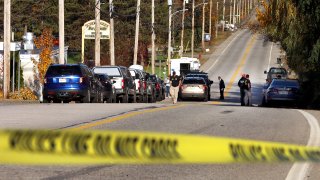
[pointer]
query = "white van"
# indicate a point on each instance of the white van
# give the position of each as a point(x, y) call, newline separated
point(184, 65)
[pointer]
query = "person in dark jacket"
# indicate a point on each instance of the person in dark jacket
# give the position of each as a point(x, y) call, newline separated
point(221, 87)
point(241, 85)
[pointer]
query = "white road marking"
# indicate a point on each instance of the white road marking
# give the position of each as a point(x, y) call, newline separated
point(217, 60)
point(270, 56)
point(299, 171)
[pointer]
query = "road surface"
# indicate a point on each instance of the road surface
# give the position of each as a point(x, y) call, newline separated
point(243, 52)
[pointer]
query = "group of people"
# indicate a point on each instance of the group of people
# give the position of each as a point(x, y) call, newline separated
point(245, 90)
point(173, 84)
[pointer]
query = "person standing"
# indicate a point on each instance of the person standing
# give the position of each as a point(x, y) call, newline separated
point(241, 83)
point(167, 87)
point(175, 83)
point(247, 90)
point(221, 87)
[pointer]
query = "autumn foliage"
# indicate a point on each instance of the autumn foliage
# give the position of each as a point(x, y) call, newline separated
point(45, 44)
point(264, 15)
point(25, 94)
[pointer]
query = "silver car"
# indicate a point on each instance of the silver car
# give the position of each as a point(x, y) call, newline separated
point(194, 87)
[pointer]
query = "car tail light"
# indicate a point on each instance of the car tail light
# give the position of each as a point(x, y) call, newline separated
point(139, 84)
point(144, 85)
point(158, 86)
point(81, 79)
point(204, 87)
point(122, 84)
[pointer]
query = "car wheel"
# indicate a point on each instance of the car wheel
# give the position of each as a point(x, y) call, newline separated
point(56, 101)
point(205, 99)
point(125, 98)
point(110, 99)
point(87, 97)
point(159, 98)
point(134, 98)
point(114, 99)
point(45, 100)
point(265, 103)
point(154, 99)
point(145, 99)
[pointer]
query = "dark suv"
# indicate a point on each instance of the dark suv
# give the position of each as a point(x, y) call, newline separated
point(123, 82)
point(71, 82)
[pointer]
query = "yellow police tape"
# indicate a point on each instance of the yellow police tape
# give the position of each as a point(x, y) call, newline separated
point(66, 147)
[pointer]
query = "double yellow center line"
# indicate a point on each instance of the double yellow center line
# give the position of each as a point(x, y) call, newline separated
point(239, 67)
point(135, 113)
point(124, 116)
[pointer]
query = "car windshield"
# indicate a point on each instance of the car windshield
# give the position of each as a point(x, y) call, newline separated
point(153, 78)
point(278, 71)
point(198, 75)
point(110, 71)
point(193, 81)
point(63, 70)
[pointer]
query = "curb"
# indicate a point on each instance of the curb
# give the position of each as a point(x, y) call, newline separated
point(16, 101)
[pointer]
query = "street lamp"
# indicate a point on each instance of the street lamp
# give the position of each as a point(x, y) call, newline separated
point(192, 37)
point(182, 28)
point(169, 31)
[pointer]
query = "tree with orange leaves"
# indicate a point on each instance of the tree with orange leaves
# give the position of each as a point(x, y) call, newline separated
point(264, 15)
point(45, 44)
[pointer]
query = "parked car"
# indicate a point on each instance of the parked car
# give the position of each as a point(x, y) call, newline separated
point(151, 88)
point(124, 84)
point(281, 90)
point(163, 89)
point(137, 75)
point(205, 77)
point(157, 83)
point(274, 72)
point(71, 82)
point(108, 92)
point(194, 87)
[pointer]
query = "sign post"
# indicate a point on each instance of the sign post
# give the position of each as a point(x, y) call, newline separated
point(88, 32)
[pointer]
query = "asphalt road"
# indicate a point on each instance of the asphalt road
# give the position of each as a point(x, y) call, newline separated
point(243, 52)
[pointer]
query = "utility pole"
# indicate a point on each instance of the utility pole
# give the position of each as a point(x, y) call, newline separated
point(210, 18)
point(223, 13)
point(238, 6)
point(234, 12)
point(230, 14)
point(61, 32)
point(203, 28)
point(6, 48)
point(97, 34)
point(241, 8)
point(249, 6)
point(182, 27)
point(153, 37)
point(136, 40)
point(245, 8)
point(192, 36)
point(217, 19)
point(169, 38)
point(112, 59)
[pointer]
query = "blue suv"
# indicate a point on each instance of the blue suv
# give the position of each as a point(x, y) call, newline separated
point(70, 82)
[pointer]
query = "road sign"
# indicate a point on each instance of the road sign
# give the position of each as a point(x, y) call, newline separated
point(88, 32)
